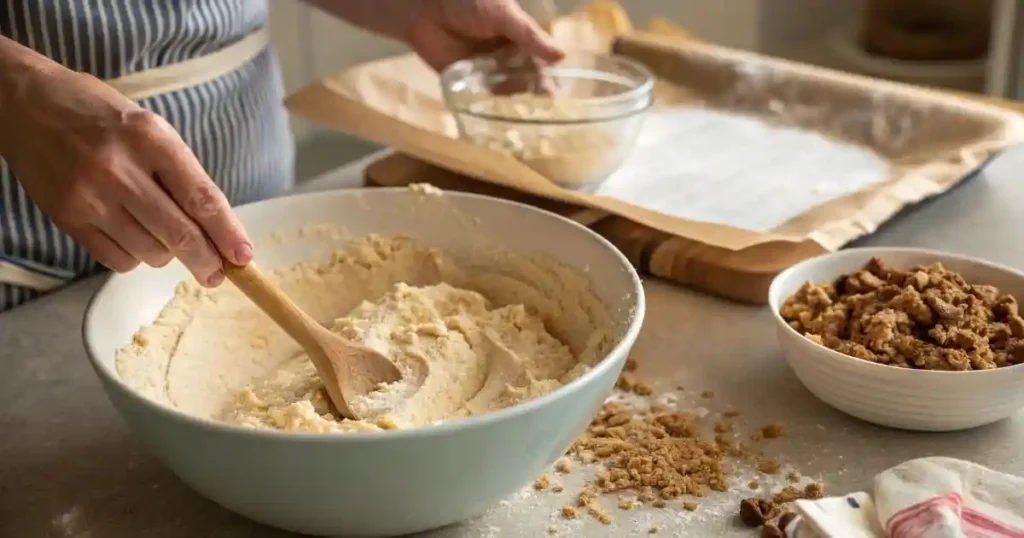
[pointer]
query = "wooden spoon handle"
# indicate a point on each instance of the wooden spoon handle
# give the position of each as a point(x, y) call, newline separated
point(269, 297)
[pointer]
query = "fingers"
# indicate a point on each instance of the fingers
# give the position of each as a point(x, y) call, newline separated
point(522, 30)
point(182, 236)
point(125, 230)
point(449, 36)
point(106, 250)
point(437, 47)
point(184, 179)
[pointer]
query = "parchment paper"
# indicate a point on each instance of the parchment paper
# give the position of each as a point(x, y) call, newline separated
point(740, 150)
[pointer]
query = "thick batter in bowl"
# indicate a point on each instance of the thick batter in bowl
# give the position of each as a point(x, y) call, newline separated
point(425, 473)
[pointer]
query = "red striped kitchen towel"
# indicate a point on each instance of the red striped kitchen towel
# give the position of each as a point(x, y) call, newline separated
point(949, 498)
point(922, 498)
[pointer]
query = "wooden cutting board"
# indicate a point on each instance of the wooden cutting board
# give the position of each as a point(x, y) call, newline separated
point(738, 275)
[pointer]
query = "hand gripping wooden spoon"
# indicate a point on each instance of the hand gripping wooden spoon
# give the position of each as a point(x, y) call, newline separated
point(347, 370)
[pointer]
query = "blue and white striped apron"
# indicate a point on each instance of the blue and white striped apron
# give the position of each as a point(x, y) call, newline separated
point(235, 123)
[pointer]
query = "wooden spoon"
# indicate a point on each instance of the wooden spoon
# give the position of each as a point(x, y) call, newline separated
point(347, 369)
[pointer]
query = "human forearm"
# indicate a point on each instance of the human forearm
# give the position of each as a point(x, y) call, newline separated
point(390, 18)
point(445, 31)
point(125, 185)
point(19, 66)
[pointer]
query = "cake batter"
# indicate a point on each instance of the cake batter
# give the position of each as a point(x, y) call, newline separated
point(468, 340)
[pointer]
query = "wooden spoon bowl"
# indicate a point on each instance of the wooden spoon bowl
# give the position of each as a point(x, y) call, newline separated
point(348, 370)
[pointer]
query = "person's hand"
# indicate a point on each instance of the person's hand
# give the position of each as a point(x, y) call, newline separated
point(445, 31)
point(114, 176)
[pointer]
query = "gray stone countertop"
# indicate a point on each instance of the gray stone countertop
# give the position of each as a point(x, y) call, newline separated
point(70, 468)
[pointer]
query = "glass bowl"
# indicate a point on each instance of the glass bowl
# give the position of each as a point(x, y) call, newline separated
point(574, 122)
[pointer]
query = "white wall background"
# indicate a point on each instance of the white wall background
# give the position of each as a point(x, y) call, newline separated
point(311, 44)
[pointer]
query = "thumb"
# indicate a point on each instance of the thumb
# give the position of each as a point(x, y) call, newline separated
point(525, 33)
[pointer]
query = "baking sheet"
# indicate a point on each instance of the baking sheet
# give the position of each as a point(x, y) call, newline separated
point(715, 166)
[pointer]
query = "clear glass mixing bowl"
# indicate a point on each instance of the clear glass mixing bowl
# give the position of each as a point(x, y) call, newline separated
point(574, 122)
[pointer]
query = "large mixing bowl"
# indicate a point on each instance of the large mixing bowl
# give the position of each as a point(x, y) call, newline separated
point(386, 483)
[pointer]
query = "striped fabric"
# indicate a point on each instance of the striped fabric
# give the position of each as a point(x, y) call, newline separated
point(235, 124)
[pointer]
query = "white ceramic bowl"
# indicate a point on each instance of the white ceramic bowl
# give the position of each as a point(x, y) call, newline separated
point(373, 484)
point(896, 397)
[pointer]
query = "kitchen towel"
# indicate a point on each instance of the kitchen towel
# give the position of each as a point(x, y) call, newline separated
point(921, 498)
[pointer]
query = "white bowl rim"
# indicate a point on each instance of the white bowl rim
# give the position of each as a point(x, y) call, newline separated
point(880, 252)
point(398, 435)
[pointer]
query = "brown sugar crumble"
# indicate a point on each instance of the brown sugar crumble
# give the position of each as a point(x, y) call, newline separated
point(628, 383)
point(643, 389)
point(772, 431)
point(542, 483)
point(776, 529)
point(770, 511)
point(926, 318)
point(769, 466)
point(651, 454)
point(599, 515)
point(757, 512)
point(662, 451)
point(814, 490)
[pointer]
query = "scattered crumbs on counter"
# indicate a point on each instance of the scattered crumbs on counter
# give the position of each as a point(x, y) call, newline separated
point(588, 470)
point(769, 466)
point(772, 431)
